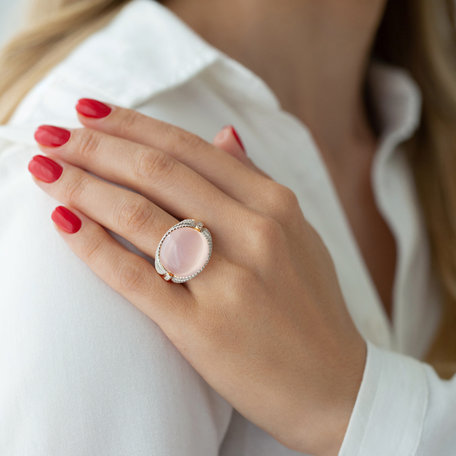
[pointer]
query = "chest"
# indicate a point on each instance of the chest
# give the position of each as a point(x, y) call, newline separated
point(367, 215)
point(370, 223)
point(370, 230)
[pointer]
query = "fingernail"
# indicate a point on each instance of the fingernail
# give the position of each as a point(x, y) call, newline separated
point(95, 109)
point(66, 220)
point(238, 139)
point(50, 136)
point(44, 168)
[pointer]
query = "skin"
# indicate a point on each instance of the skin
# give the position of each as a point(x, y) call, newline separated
point(265, 323)
point(241, 323)
point(313, 55)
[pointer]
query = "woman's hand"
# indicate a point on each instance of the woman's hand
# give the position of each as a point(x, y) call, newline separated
point(265, 323)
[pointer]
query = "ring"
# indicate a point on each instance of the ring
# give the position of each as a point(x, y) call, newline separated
point(183, 251)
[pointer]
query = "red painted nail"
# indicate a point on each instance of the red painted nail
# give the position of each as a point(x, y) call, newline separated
point(66, 220)
point(44, 168)
point(95, 109)
point(50, 136)
point(238, 139)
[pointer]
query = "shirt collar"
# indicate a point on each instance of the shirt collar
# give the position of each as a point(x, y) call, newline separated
point(148, 49)
point(396, 100)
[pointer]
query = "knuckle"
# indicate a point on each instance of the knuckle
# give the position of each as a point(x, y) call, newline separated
point(264, 234)
point(129, 275)
point(88, 143)
point(189, 139)
point(133, 214)
point(282, 201)
point(75, 188)
point(168, 131)
point(150, 165)
point(127, 122)
point(287, 196)
point(267, 229)
point(92, 249)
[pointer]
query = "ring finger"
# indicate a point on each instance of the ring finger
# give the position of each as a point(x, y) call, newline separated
point(122, 211)
point(125, 212)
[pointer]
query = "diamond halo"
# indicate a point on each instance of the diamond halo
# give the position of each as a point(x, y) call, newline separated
point(187, 223)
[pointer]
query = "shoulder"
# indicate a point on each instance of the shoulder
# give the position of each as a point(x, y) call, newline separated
point(76, 342)
point(145, 50)
point(92, 370)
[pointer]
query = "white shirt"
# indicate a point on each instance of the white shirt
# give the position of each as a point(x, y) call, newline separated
point(83, 372)
point(10, 18)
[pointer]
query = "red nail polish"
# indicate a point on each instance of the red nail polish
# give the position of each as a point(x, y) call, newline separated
point(44, 168)
point(238, 139)
point(66, 220)
point(95, 109)
point(50, 136)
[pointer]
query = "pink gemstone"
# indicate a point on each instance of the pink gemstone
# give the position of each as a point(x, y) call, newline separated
point(184, 252)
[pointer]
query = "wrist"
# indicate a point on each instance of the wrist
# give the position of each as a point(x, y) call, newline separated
point(339, 415)
point(322, 431)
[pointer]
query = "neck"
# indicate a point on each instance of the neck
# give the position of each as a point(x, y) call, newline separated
point(312, 54)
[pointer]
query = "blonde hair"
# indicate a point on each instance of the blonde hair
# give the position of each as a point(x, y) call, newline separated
point(415, 34)
point(420, 36)
point(52, 29)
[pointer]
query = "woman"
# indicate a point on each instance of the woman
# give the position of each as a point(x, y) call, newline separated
point(309, 328)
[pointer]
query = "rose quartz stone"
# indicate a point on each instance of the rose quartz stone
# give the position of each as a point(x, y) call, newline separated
point(184, 252)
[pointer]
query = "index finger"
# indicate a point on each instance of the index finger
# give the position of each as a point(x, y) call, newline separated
point(234, 178)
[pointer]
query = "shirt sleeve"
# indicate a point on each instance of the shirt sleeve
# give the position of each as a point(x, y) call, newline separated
point(83, 372)
point(403, 408)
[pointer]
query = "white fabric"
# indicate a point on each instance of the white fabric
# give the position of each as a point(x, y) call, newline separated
point(85, 373)
point(10, 17)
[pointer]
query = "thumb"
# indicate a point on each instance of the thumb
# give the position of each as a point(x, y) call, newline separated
point(228, 140)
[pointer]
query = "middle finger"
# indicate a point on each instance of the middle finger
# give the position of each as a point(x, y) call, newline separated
point(243, 183)
point(170, 184)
